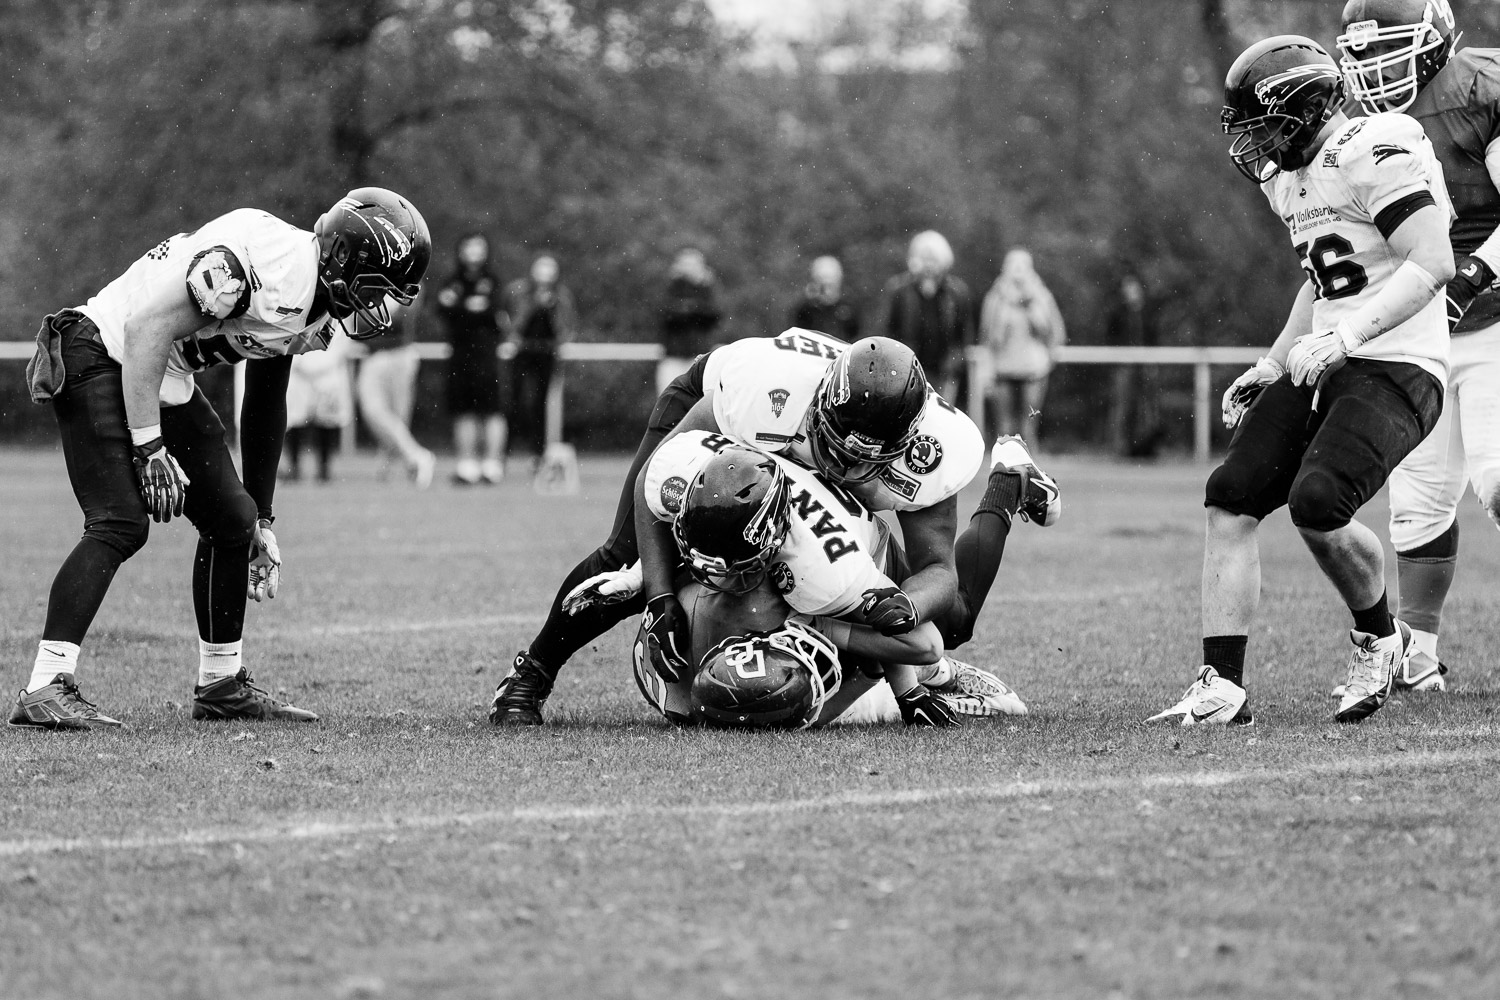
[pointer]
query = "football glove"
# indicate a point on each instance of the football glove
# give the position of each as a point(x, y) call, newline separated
point(1471, 277)
point(1239, 396)
point(922, 706)
point(265, 562)
point(163, 483)
point(665, 632)
point(1315, 355)
point(604, 588)
point(889, 611)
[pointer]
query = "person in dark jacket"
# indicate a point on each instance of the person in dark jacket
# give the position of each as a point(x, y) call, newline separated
point(929, 310)
point(542, 318)
point(689, 315)
point(823, 306)
point(469, 303)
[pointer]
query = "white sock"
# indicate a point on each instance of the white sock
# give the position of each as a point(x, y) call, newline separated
point(218, 660)
point(1426, 642)
point(936, 675)
point(52, 658)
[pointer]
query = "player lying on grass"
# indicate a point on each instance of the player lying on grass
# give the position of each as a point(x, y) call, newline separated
point(871, 425)
point(1398, 56)
point(1353, 383)
point(142, 443)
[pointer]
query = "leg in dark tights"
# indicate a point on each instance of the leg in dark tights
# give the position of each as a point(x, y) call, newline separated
point(977, 555)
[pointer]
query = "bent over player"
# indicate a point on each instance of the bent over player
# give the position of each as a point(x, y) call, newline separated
point(1396, 57)
point(1353, 383)
point(142, 443)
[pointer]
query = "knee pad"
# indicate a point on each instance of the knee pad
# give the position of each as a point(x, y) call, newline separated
point(232, 523)
point(1230, 489)
point(125, 533)
point(1317, 502)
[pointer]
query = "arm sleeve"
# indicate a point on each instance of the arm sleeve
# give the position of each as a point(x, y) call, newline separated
point(263, 427)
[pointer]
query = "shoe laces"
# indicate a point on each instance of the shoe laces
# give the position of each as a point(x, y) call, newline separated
point(525, 685)
point(1365, 667)
point(72, 696)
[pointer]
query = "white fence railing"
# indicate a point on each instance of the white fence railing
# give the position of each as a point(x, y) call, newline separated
point(1200, 358)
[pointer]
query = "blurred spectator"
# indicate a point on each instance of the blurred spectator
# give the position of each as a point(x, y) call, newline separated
point(542, 317)
point(319, 405)
point(470, 306)
point(1135, 409)
point(929, 310)
point(689, 314)
point(1021, 329)
point(387, 378)
point(823, 306)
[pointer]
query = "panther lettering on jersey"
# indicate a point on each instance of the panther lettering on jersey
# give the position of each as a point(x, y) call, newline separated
point(822, 523)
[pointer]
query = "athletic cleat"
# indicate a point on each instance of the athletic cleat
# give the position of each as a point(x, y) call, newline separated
point(1041, 501)
point(973, 691)
point(238, 697)
point(521, 693)
point(1422, 674)
point(423, 468)
point(1210, 701)
point(58, 705)
point(1373, 668)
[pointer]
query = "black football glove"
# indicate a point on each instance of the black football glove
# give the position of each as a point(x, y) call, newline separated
point(163, 483)
point(1471, 277)
point(889, 611)
point(921, 706)
point(665, 631)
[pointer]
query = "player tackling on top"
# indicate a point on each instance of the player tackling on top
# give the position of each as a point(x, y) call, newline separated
point(142, 443)
point(1354, 381)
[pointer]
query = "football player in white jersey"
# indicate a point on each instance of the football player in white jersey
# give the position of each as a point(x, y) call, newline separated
point(142, 443)
point(1354, 381)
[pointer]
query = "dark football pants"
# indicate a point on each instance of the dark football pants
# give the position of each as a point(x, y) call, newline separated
point(976, 556)
point(1324, 464)
point(562, 634)
point(90, 413)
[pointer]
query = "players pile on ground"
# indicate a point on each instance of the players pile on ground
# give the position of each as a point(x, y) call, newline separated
point(746, 535)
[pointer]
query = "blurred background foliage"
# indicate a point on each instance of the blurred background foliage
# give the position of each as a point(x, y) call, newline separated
point(613, 132)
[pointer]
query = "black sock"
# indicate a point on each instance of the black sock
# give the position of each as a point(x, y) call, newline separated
point(1002, 495)
point(1376, 619)
point(1226, 654)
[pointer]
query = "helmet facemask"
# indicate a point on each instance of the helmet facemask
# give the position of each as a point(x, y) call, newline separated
point(1386, 66)
point(375, 248)
point(1278, 136)
point(845, 455)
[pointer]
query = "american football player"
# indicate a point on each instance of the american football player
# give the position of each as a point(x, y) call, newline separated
point(142, 443)
point(1399, 55)
point(1354, 381)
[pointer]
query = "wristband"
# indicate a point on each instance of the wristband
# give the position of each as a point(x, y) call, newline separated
point(141, 435)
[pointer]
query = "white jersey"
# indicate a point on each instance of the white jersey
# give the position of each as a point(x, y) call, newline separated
point(1367, 177)
point(280, 264)
point(834, 547)
point(763, 389)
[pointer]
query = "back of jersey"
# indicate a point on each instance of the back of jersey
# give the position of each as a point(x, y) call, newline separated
point(763, 386)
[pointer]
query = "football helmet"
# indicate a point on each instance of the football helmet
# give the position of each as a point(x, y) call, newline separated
point(735, 515)
point(1390, 49)
point(866, 410)
point(1278, 95)
point(373, 244)
point(767, 680)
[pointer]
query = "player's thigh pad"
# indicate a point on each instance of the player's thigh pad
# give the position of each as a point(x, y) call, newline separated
point(1371, 415)
point(1256, 475)
point(217, 503)
point(1475, 400)
point(1427, 485)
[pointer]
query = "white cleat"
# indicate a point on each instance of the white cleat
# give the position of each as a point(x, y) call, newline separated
point(1422, 673)
point(1041, 501)
point(423, 468)
point(1373, 668)
point(1210, 701)
point(973, 691)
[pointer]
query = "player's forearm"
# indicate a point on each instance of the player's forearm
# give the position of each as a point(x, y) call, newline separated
point(657, 547)
point(1427, 265)
point(142, 370)
point(920, 646)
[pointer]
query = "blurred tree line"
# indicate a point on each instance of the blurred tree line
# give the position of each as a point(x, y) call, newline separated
point(612, 132)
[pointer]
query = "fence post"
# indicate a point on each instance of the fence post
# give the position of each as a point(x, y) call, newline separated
point(1201, 410)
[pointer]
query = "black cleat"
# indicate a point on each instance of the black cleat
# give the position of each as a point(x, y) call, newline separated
point(59, 705)
point(238, 697)
point(521, 694)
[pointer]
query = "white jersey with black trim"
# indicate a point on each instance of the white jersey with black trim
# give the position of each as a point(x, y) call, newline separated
point(1367, 173)
point(834, 547)
point(280, 263)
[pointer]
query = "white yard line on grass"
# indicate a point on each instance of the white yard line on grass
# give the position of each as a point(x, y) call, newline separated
point(340, 829)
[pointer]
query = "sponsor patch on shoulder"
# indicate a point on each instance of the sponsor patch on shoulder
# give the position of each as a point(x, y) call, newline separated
point(902, 486)
point(778, 400)
point(770, 438)
point(782, 578)
point(671, 494)
point(924, 454)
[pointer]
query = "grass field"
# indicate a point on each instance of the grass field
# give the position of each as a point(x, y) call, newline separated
point(401, 847)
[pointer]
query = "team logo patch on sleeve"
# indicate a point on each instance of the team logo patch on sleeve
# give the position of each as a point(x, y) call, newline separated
point(924, 454)
point(671, 494)
point(1384, 151)
point(778, 400)
point(782, 578)
point(902, 486)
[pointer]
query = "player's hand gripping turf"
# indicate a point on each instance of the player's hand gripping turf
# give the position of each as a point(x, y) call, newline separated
point(922, 706)
point(163, 483)
point(668, 644)
point(889, 611)
point(1315, 355)
point(1470, 277)
point(265, 563)
point(604, 588)
point(1239, 396)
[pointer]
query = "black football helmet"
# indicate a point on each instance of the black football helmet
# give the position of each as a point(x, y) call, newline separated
point(735, 515)
point(867, 409)
point(374, 244)
point(1391, 48)
point(1278, 96)
point(767, 680)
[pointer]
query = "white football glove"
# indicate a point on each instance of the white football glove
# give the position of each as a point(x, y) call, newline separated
point(1315, 355)
point(1239, 396)
point(604, 588)
point(265, 563)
